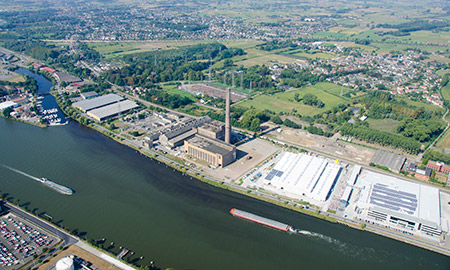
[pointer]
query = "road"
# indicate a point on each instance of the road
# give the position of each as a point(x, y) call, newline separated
point(65, 237)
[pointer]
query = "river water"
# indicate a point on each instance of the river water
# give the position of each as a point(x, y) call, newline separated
point(174, 220)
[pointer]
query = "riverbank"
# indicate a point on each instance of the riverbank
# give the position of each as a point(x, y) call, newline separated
point(25, 121)
point(67, 238)
point(173, 163)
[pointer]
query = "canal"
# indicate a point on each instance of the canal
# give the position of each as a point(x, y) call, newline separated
point(172, 219)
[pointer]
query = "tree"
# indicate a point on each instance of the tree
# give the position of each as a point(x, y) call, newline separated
point(276, 119)
point(254, 126)
point(7, 112)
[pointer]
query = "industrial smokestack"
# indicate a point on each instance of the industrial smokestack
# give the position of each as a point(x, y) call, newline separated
point(227, 116)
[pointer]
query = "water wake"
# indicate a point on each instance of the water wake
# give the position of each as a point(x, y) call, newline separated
point(20, 172)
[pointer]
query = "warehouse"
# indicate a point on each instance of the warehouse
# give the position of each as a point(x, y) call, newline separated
point(304, 175)
point(112, 110)
point(94, 103)
point(400, 205)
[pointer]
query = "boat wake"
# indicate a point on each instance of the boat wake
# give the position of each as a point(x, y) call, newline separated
point(59, 188)
point(20, 172)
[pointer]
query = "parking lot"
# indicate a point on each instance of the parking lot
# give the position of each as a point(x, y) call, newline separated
point(20, 241)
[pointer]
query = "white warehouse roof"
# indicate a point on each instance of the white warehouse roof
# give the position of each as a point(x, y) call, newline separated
point(90, 104)
point(112, 110)
point(412, 201)
point(304, 175)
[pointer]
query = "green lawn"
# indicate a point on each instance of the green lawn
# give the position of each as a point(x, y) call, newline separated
point(284, 102)
point(387, 125)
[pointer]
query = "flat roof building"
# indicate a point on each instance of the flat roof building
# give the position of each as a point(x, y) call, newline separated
point(304, 175)
point(216, 153)
point(112, 110)
point(213, 129)
point(393, 161)
point(401, 205)
point(90, 104)
point(88, 95)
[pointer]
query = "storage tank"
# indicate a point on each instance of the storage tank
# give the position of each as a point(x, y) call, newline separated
point(65, 263)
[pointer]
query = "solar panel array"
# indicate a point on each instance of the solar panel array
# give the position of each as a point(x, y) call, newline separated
point(273, 173)
point(396, 200)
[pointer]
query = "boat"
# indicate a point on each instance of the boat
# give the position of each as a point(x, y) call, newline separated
point(262, 220)
point(60, 188)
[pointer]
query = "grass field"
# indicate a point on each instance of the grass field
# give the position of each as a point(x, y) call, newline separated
point(418, 104)
point(284, 102)
point(16, 79)
point(446, 92)
point(172, 89)
point(387, 125)
point(260, 57)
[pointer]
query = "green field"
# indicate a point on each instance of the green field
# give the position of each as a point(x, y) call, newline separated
point(172, 89)
point(446, 92)
point(419, 104)
point(260, 57)
point(284, 102)
point(387, 125)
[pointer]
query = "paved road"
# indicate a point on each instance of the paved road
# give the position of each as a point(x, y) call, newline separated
point(67, 238)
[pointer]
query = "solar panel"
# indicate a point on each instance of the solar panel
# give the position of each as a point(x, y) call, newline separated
point(393, 199)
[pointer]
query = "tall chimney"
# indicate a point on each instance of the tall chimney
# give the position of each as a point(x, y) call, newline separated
point(227, 116)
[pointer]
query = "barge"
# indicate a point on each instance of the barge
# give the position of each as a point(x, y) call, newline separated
point(60, 188)
point(262, 220)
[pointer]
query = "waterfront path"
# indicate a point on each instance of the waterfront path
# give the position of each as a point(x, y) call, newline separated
point(103, 256)
point(65, 237)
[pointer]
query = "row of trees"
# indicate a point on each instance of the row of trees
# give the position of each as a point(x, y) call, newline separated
point(381, 137)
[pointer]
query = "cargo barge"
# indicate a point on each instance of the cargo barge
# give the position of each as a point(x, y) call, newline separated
point(262, 220)
point(60, 188)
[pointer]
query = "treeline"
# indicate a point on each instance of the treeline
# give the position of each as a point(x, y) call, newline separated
point(300, 78)
point(184, 63)
point(277, 44)
point(418, 25)
point(381, 137)
point(172, 101)
point(435, 155)
point(419, 129)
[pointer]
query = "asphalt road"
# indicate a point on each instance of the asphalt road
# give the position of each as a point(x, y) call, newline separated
point(65, 237)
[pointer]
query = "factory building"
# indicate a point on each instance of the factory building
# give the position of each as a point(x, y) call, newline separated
point(215, 152)
point(94, 103)
point(112, 110)
point(175, 136)
point(304, 175)
point(213, 129)
point(400, 205)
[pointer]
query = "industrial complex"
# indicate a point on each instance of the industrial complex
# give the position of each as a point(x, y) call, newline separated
point(303, 175)
point(398, 204)
point(104, 107)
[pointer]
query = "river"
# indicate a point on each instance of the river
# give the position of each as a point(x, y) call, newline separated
point(172, 219)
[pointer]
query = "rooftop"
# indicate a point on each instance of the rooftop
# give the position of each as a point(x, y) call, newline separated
point(211, 145)
point(90, 104)
point(113, 109)
point(402, 198)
